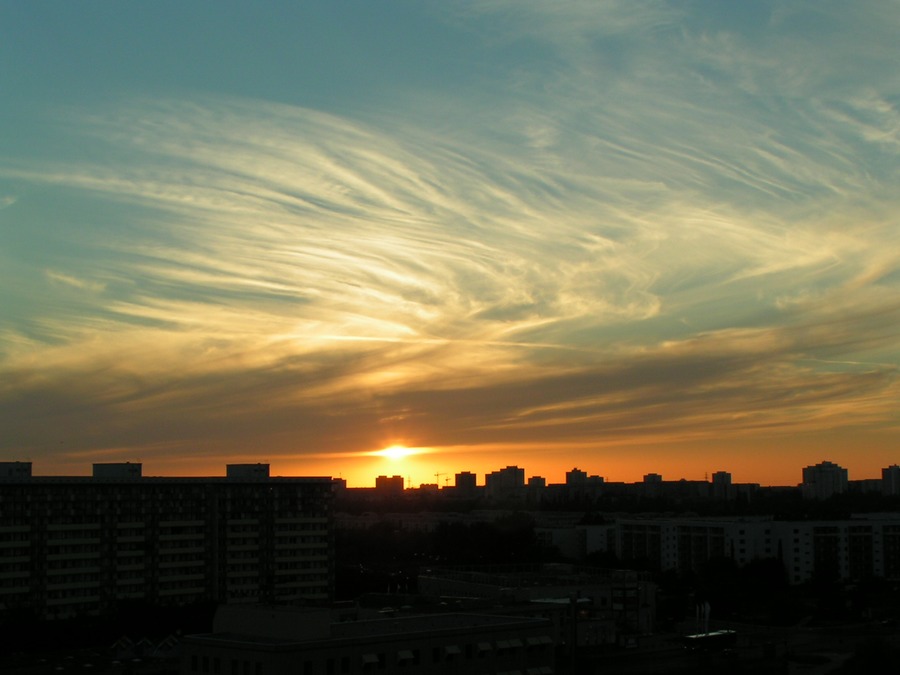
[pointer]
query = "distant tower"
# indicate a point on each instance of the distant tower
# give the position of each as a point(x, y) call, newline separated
point(508, 482)
point(576, 477)
point(721, 485)
point(890, 480)
point(389, 485)
point(466, 485)
point(823, 480)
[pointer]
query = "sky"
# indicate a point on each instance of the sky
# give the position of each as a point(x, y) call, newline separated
point(626, 236)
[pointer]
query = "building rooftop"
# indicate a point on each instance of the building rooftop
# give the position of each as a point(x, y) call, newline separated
point(276, 626)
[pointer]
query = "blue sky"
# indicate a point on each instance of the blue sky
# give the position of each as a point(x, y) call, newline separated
point(629, 236)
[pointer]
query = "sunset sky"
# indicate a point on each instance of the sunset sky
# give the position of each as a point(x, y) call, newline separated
point(625, 236)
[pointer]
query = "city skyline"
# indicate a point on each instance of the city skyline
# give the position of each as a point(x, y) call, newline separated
point(627, 236)
point(18, 469)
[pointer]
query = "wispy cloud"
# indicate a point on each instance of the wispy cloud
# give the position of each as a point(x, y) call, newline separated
point(73, 282)
point(662, 227)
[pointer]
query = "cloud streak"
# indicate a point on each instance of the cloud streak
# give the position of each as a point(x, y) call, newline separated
point(662, 228)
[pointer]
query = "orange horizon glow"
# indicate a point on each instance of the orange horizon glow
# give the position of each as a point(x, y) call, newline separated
point(202, 267)
point(770, 463)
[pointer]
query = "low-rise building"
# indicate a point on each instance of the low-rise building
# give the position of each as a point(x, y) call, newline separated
point(288, 641)
point(609, 604)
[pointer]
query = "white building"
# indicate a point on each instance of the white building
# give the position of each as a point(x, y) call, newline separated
point(863, 547)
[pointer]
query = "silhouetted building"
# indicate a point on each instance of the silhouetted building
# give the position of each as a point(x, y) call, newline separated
point(389, 486)
point(823, 480)
point(576, 477)
point(118, 470)
point(247, 471)
point(15, 470)
point(466, 481)
point(865, 486)
point(77, 546)
point(505, 483)
point(465, 486)
point(890, 480)
point(721, 485)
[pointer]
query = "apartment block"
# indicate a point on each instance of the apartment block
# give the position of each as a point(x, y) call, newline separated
point(80, 546)
point(860, 548)
point(823, 480)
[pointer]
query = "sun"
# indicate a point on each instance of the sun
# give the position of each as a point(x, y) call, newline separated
point(396, 452)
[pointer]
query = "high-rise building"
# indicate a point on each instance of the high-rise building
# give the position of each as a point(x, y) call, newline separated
point(79, 546)
point(890, 480)
point(823, 480)
point(721, 485)
point(576, 477)
point(389, 486)
point(465, 480)
point(505, 483)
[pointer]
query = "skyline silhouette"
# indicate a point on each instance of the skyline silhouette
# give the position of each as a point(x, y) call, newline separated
point(837, 477)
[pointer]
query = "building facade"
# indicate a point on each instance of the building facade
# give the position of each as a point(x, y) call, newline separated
point(81, 546)
point(856, 549)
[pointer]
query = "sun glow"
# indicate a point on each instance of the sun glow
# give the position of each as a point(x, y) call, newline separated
point(397, 452)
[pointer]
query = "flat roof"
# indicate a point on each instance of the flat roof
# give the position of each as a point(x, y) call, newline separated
point(161, 480)
point(404, 627)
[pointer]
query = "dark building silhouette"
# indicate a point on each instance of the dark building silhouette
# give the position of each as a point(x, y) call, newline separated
point(721, 485)
point(890, 480)
point(505, 483)
point(389, 486)
point(466, 485)
point(78, 546)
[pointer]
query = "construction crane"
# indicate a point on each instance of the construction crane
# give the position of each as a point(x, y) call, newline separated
point(437, 478)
